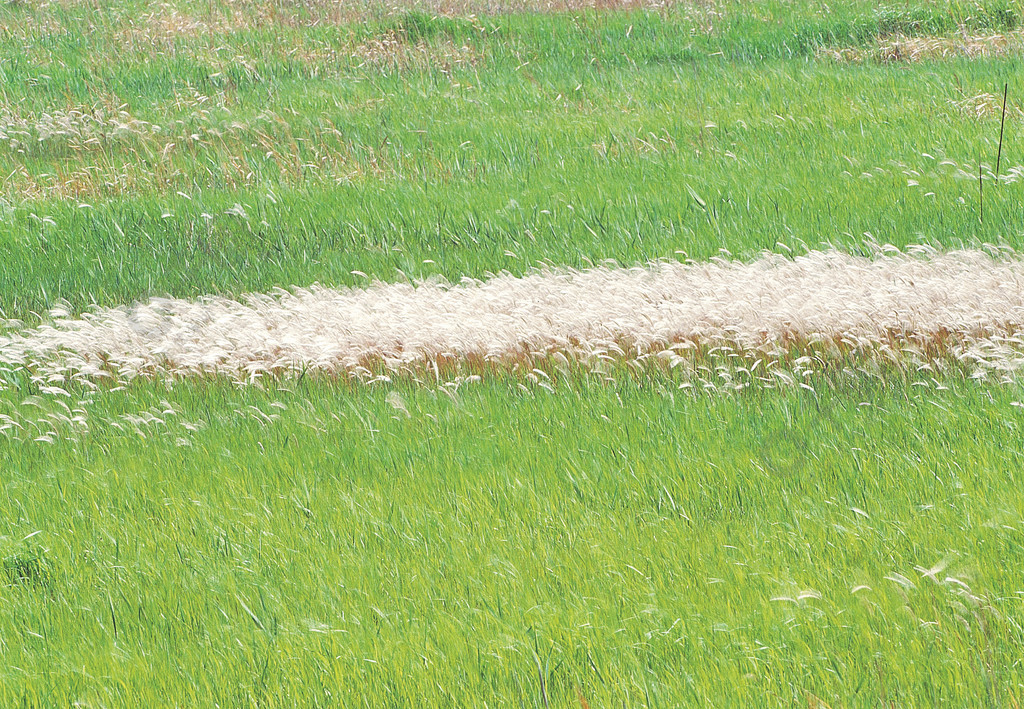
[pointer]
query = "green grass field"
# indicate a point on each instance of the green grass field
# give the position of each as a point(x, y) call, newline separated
point(592, 541)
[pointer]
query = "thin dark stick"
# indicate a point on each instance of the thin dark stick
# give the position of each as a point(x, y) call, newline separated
point(1002, 124)
point(981, 193)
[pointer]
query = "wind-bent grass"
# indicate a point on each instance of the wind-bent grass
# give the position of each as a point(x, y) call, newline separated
point(617, 543)
point(190, 163)
point(550, 537)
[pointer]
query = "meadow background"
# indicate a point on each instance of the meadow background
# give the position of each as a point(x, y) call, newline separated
point(577, 540)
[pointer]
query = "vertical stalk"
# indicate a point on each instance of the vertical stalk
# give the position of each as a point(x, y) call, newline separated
point(1002, 124)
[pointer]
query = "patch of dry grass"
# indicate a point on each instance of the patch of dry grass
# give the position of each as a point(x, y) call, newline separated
point(78, 129)
point(164, 27)
point(901, 48)
point(80, 183)
point(324, 12)
point(788, 317)
point(986, 104)
point(103, 150)
point(393, 51)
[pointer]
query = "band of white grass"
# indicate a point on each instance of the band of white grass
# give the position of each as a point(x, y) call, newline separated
point(920, 309)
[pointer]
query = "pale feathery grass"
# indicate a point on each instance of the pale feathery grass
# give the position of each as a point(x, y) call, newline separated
point(925, 311)
point(984, 105)
point(78, 129)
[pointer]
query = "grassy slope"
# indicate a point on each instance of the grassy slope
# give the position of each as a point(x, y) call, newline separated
point(605, 542)
point(637, 547)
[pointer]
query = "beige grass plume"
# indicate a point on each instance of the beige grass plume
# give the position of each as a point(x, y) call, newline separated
point(965, 306)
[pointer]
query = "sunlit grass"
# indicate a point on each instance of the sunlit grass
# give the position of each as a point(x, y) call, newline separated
point(553, 537)
point(618, 543)
point(472, 144)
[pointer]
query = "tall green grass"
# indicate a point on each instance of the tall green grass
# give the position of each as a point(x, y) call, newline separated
point(570, 138)
point(598, 545)
point(612, 543)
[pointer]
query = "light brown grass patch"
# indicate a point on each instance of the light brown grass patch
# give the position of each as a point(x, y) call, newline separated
point(393, 50)
point(705, 13)
point(986, 104)
point(104, 151)
point(168, 23)
point(901, 48)
point(165, 29)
